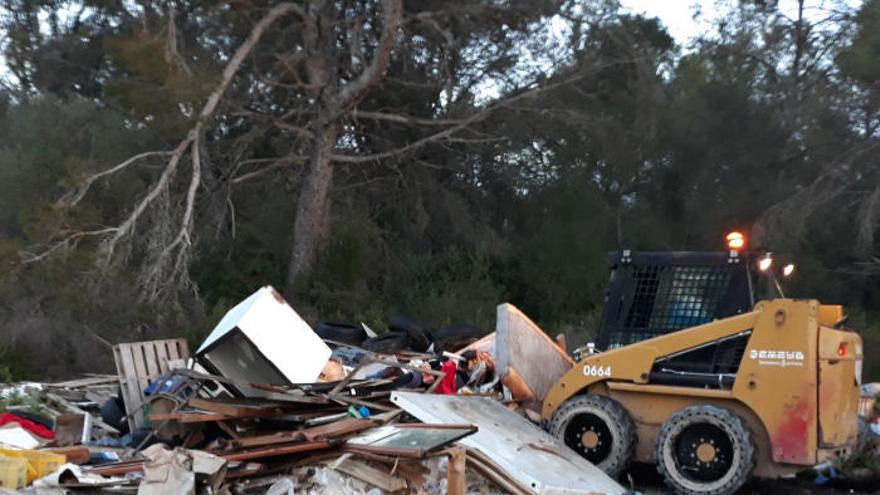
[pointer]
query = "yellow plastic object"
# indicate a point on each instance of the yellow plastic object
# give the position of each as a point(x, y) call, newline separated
point(39, 463)
point(13, 472)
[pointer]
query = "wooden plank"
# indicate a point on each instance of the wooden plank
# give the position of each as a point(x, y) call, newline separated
point(368, 474)
point(238, 409)
point(331, 430)
point(188, 417)
point(132, 395)
point(162, 357)
point(125, 467)
point(229, 430)
point(151, 360)
point(127, 382)
point(142, 380)
point(117, 359)
point(344, 399)
point(456, 478)
point(337, 428)
point(497, 476)
point(276, 451)
point(182, 348)
point(75, 454)
point(140, 366)
point(84, 382)
point(118, 468)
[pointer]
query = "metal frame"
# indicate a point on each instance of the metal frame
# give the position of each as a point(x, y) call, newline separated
point(640, 301)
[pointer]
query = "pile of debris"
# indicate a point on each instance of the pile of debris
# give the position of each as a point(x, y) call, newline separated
point(266, 404)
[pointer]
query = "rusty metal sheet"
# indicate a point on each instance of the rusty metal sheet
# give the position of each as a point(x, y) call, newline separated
point(527, 453)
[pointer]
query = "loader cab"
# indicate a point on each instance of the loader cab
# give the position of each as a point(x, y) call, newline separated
point(654, 293)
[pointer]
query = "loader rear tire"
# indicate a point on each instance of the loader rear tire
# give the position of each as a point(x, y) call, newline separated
point(599, 429)
point(706, 450)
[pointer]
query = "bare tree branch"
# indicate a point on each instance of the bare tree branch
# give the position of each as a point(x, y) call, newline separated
point(191, 143)
point(74, 197)
point(392, 12)
point(243, 51)
point(184, 234)
point(172, 56)
point(282, 162)
point(788, 218)
point(402, 119)
point(474, 118)
point(27, 257)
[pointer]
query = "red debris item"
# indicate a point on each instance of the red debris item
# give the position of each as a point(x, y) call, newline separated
point(447, 386)
point(31, 426)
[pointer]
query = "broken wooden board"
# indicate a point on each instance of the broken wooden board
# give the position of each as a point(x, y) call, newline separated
point(456, 477)
point(76, 454)
point(330, 430)
point(528, 454)
point(522, 346)
point(368, 474)
point(138, 364)
point(84, 382)
point(241, 408)
point(477, 461)
point(71, 429)
point(188, 417)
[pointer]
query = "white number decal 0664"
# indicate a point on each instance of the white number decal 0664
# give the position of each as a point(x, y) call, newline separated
point(597, 370)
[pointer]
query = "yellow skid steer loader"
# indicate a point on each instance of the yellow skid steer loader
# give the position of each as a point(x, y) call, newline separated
point(695, 376)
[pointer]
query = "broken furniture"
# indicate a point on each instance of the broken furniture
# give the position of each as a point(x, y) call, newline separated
point(526, 355)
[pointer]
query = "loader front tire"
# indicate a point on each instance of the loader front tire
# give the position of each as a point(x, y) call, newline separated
point(705, 450)
point(599, 429)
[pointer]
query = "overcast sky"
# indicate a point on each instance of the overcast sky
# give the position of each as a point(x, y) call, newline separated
point(678, 15)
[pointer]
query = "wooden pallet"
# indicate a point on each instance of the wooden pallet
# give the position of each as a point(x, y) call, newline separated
point(138, 364)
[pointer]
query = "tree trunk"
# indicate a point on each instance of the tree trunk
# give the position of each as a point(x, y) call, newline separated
point(313, 204)
point(312, 209)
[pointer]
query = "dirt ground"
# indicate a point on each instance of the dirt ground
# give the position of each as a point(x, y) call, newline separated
point(646, 480)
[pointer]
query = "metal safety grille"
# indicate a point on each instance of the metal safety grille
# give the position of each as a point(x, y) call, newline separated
point(688, 296)
point(664, 298)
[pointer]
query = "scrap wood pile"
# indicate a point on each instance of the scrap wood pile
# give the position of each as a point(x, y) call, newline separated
point(268, 405)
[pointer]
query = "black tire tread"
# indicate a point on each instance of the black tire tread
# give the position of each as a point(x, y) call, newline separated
point(390, 342)
point(419, 339)
point(623, 430)
point(456, 336)
point(742, 441)
point(347, 333)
